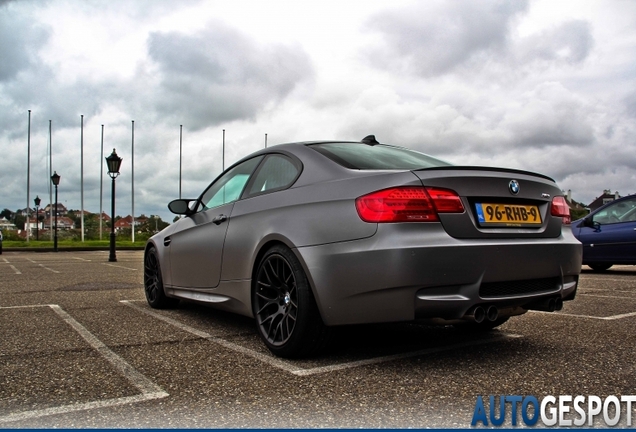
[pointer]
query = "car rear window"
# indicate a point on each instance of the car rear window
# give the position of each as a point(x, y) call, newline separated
point(376, 157)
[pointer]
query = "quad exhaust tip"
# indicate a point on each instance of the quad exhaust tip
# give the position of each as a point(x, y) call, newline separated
point(548, 305)
point(481, 314)
point(492, 313)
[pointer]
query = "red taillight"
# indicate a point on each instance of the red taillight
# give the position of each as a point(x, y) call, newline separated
point(408, 204)
point(560, 208)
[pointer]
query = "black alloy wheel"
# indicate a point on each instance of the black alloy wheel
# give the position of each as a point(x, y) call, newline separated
point(287, 318)
point(153, 283)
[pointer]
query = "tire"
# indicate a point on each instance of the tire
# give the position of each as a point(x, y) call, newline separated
point(599, 267)
point(287, 317)
point(153, 283)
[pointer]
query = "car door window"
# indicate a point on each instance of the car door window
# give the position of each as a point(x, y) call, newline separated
point(277, 172)
point(623, 211)
point(228, 187)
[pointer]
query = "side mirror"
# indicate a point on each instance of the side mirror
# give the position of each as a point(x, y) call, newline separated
point(590, 223)
point(181, 206)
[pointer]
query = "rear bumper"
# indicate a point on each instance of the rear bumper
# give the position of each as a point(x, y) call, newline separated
point(413, 271)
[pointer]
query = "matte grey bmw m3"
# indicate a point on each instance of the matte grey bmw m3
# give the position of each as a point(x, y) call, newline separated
point(311, 235)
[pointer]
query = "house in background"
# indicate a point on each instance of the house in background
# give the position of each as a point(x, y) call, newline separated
point(127, 222)
point(5, 224)
point(33, 224)
point(63, 223)
point(61, 209)
point(607, 197)
point(574, 205)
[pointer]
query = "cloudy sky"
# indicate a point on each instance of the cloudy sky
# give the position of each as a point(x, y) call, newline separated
point(547, 86)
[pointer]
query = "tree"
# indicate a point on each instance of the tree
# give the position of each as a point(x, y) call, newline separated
point(7, 214)
point(19, 221)
point(153, 225)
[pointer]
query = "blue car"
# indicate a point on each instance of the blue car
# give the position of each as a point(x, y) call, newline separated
point(608, 234)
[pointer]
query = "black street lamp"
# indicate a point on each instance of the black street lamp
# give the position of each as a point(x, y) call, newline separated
point(114, 162)
point(37, 202)
point(55, 178)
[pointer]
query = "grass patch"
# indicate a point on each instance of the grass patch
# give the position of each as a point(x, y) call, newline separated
point(70, 243)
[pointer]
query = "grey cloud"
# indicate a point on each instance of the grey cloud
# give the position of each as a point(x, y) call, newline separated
point(571, 42)
point(20, 40)
point(630, 104)
point(433, 40)
point(39, 90)
point(219, 75)
point(550, 115)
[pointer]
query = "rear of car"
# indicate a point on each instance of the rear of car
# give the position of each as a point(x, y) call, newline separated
point(451, 243)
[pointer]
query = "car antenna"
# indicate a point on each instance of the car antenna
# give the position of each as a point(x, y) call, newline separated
point(370, 140)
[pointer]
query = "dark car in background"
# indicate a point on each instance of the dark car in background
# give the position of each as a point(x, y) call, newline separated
point(608, 234)
point(306, 236)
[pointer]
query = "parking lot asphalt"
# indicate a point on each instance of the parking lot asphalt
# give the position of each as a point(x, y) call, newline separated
point(79, 347)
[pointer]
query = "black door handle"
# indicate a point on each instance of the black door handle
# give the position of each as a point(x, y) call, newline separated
point(219, 219)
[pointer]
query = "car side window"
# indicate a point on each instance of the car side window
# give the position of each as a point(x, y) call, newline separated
point(623, 211)
point(277, 172)
point(230, 185)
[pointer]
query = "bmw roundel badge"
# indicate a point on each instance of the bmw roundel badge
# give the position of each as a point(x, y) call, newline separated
point(513, 186)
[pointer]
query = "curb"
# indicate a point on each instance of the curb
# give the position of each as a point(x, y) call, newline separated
point(69, 249)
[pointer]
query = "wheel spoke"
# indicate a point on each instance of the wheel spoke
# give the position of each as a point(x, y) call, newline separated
point(273, 270)
point(268, 304)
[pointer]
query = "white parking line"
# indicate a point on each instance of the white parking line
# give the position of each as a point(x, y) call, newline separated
point(607, 296)
point(611, 290)
point(5, 260)
point(264, 358)
point(81, 259)
point(148, 389)
point(47, 268)
point(608, 318)
point(118, 266)
point(607, 279)
point(298, 371)
point(15, 269)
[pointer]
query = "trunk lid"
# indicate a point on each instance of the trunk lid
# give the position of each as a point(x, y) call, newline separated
point(499, 203)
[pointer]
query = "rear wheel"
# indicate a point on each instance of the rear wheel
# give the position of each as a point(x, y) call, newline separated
point(153, 283)
point(287, 318)
point(599, 267)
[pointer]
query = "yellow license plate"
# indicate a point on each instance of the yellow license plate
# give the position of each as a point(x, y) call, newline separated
point(507, 214)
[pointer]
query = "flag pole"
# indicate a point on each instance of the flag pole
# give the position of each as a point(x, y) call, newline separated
point(28, 222)
point(132, 161)
point(180, 155)
point(49, 181)
point(101, 185)
point(82, 176)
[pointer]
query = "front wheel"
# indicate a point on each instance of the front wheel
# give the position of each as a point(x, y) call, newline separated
point(153, 283)
point(287, 317)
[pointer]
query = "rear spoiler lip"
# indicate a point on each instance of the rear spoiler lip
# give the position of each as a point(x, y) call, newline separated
point(484, 168)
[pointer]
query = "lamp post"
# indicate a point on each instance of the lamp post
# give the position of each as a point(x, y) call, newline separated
point(37, 202)
point(55, 178)
point(113, 162)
